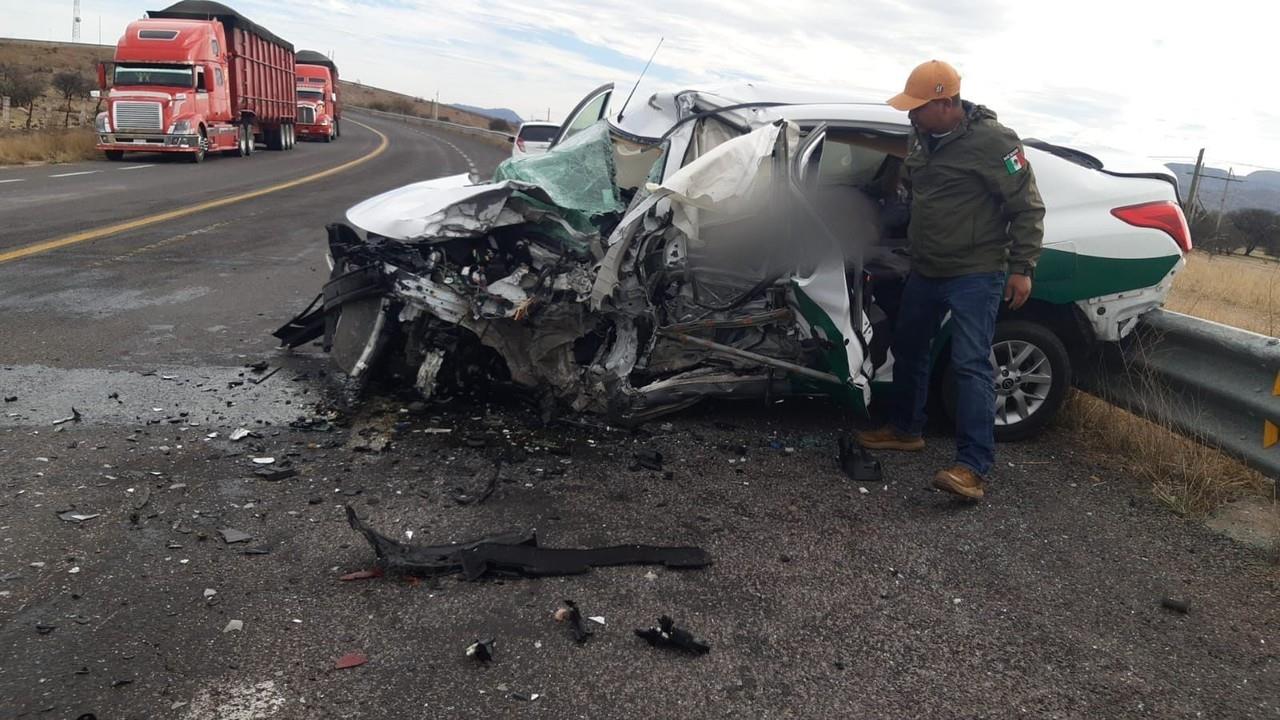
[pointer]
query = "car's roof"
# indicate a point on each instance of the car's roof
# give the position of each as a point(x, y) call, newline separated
point(654, 117)
point(539, 123)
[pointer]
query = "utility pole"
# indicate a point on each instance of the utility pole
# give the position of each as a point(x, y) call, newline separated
point(1222, 207)
point(435, 107)
point(75, 22)
point(1191, 207)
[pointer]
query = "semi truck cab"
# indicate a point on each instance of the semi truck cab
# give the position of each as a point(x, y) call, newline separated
point(316, 103)
point(168, 90)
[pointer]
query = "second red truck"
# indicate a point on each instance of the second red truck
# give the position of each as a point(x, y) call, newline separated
point(319, 105)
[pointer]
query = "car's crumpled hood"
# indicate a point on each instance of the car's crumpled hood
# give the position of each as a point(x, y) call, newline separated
point(402, 213)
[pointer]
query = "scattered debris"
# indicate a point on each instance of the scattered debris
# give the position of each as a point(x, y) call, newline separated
point(209, 592)
point(258, 551)
point(231, 536)
point(11, 398)
point(572, 615)
point(651, 576)
point(121, 682)
point(857, 463)
point(276, 474)
point(233, 626)
point(362, 575)
point(350, 660)
point(74, 571)
point(666, 634)
point(597, 619)
point(77, 517)
point(259, 367)
point(517, 695)
point(1176, 605)
point(239, 434)
point(464, 498)
point(44, 629)
point(647, 459)
point(266, 377)
point(517, 554)
point(264, 461)
point(481, 650)
point(73, 417)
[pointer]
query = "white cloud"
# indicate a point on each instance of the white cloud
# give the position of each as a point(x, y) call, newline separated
point(1155, 78)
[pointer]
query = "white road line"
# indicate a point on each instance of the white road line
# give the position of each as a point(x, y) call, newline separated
point(13, 180)
point(136, 167)
point(82, 172)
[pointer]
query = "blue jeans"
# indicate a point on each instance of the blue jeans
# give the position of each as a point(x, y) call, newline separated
point(974, 301)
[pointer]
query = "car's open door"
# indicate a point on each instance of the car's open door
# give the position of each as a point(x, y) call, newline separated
point(585, 114)
point(828, 295)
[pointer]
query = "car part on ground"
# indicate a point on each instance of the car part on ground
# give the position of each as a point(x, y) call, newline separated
point(516, 554)
point(667, 635)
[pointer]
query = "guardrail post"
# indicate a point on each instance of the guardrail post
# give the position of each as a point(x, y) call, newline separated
point(4, 112)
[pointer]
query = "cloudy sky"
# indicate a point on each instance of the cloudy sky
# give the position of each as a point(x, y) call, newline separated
point(1160, 79)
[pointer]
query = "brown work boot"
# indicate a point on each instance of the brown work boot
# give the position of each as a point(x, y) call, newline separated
point(888, 438)
point(959, 480)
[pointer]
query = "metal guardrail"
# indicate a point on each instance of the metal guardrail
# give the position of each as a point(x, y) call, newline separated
point(441, 124)
point(1212, 382)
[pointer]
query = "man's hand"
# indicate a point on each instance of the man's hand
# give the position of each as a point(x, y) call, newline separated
point(1017, 290)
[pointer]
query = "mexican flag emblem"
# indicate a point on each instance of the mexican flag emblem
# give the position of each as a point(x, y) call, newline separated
point(1015, 161)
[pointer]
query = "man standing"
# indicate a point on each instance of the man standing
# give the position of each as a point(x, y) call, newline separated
point(977, 221)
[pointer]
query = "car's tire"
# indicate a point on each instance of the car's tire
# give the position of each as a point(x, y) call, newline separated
point(1031, 393)
point(114, 155)
point(288, 137)
point(239, 150)
point(249, 145)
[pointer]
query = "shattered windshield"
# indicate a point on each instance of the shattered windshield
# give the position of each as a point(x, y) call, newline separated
point(577, 174)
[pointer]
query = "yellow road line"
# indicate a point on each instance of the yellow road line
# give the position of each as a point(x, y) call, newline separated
point(97, 233)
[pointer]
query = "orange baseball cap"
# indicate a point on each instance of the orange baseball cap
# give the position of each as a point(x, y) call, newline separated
point(933, 80)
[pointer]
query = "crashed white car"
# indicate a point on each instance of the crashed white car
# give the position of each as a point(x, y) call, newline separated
point(744, 242)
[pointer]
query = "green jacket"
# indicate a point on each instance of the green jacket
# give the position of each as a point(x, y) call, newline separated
point(974, 202)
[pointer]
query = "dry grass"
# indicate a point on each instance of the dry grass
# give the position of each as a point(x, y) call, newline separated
point(1192, 478)
point(54, 146)
point(1238, 291)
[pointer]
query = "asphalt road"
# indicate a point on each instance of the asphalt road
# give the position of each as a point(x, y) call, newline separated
point(824, 600)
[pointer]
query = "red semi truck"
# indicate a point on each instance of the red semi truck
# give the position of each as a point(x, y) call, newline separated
point(194, 78)
point(319, 106)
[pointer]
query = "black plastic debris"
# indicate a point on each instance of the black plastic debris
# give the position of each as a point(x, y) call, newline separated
point(857, 463)
point(475, 497)
point(11, 398)
point(401, 557)
point(258, 367)
point(1176, 605)
point(44, 629)
point(647, 459)
point(572, 615)
point(667, 635)
point(276, 474)
point(516, 554)
point(481, 650)
point(73, 417)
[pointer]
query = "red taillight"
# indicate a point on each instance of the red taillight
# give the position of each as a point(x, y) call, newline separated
point(1164, 215)
point(520, 144)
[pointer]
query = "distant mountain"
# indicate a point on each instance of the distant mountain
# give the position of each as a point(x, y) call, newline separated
point(500, 113)
point(1260, 189)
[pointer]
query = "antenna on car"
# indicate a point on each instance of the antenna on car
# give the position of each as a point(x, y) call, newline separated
point(642, 72)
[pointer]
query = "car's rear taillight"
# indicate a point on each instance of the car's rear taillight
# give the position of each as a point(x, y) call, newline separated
point(1164, 215)
point(520, 144)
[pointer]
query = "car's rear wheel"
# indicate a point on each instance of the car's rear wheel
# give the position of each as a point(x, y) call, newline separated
point(1032, 375)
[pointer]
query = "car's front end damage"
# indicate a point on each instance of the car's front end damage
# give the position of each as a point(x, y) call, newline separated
point(576, 276)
